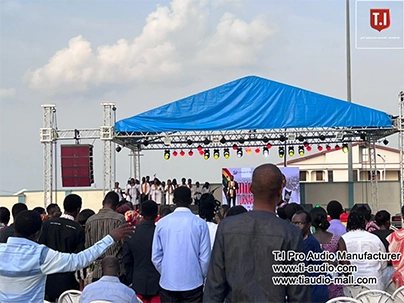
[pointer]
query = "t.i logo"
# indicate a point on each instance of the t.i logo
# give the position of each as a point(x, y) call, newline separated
point(379, 18)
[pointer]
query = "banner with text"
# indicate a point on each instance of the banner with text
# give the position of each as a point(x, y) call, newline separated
point(239, 187)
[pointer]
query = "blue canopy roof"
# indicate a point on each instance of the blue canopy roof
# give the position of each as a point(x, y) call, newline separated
point(254, 103)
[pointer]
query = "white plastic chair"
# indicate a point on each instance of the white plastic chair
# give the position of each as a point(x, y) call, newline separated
point(390, 287)
point(343, 300)
point(398, 295)
point(374, 296)
point(352, 291)
point(70, 296)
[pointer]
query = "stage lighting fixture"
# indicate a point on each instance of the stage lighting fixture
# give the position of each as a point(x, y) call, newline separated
point(206, 154)
point(301, 150)
point(201, 152)
point(345, 148)
point(190, 153)
point(291, 151)
point(216, 154)
point(363, 136)
point(226, 153)
point(175, 153)
point(308, 148)
point(206, 141)
point(385, 142)
point(306, 144)
point(118, 149)
point(223, 140)
point(248, 150)
point(241, 140)
point(189, 142)
point(200, 148)
point(167, 154)
point(322, 137)
point(182, 153)
point(265, 140)
point(235, 147)
point(265, 151)
point(281, 152)
point(269, 145)
point(257, 150)
point(328, 148)
point(239, 152)
point(282, 138)
point(145, 142)
point(167, 140)
point(320, 148)
point(339, 136)
point(337, 147)
point(300, 138)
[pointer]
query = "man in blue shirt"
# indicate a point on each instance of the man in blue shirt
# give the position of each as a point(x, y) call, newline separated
point(302, 219)
point(24, 264)
point(109, 287)
point(181, 251)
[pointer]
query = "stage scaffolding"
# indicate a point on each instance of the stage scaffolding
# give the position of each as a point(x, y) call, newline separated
point(192, 140)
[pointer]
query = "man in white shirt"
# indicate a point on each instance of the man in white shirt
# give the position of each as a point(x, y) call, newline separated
point(358, 240)
point(118, 190)
point(181, 252)
point(109, 287)
point(197, 192)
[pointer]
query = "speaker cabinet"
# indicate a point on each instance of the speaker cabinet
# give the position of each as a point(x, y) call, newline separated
point(77, 165)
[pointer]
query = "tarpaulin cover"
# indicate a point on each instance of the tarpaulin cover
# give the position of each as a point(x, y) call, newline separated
point(254, 103)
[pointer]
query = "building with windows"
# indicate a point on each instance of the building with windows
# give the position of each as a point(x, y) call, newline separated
point(332, 165)
point(324, 176)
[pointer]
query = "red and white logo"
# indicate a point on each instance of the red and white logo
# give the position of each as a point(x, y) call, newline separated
point(379, 18)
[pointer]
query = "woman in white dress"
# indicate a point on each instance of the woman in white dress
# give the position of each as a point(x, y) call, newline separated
point(169, 190)
point(156, 192)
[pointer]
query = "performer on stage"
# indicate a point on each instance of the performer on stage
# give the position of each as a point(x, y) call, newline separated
point(232, 187)
point(169, 190)
point(145, 190)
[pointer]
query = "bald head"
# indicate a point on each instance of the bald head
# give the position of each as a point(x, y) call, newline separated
point(266, 184)
point(110, 266)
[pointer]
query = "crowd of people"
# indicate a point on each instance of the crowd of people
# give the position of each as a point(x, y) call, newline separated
point(132, 248)
point(162, 192)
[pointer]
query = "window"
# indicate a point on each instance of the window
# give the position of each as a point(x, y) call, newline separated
point(372, 173)
point(319, 175)
point(303, 175)
point(330, 176)
point(364, 155)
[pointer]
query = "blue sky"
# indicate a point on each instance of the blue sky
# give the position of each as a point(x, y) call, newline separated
point(142, 54)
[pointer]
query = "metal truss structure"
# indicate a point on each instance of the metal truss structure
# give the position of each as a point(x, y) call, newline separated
point(188, 141)
point(251, 138)
point(373, 175)
point(106, 135)
point(49, 134)
point(400, 127)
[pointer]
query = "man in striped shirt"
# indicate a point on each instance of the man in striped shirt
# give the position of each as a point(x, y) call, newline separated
point(102, 224)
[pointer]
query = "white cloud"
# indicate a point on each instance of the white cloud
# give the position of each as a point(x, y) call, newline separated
point(174, 39)
point(227, 3)
point(7, 92)
point(236, 42)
